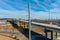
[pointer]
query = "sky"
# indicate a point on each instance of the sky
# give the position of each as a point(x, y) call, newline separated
point(39, 9)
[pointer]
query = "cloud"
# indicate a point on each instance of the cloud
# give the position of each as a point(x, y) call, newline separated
point(14, 14)
point(43, 5)
point(39, 9)
point(39, 4)
point(13, 4)
point(39, 15)
point(4, 5)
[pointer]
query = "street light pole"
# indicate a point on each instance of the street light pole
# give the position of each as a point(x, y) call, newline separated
point(29, 20)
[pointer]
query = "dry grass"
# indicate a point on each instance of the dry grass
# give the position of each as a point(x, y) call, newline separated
point(4, 36)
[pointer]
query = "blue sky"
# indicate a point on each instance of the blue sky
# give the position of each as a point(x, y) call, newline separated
point(39, 9)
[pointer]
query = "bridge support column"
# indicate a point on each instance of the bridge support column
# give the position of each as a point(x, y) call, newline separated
point(45, 33)
point(51, 35)
point(56, 34)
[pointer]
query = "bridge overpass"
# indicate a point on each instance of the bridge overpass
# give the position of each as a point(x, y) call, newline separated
point(46, 27)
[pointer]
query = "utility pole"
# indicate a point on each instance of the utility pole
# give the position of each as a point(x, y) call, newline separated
point(29, 20)
point(49, 13)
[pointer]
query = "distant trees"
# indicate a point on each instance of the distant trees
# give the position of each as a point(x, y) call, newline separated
point(46, 21)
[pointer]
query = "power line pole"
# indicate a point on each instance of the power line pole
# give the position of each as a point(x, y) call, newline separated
point(49, 12)
point(29, 20)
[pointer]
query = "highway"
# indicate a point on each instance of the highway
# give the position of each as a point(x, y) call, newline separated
point(46, 27)
point(51, 27)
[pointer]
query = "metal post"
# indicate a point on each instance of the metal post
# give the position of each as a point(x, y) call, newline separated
point(29, 21)
point(19, 22)
point(24, 25)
